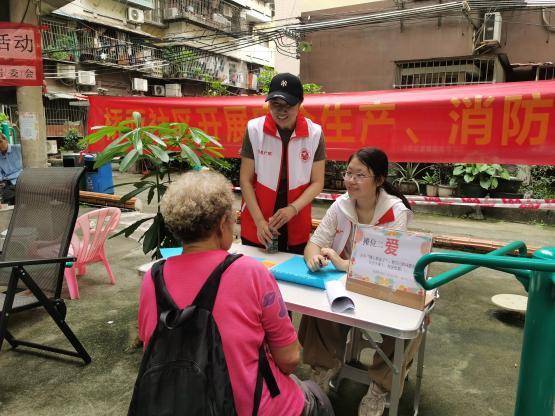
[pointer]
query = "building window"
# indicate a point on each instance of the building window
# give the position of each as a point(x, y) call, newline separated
point(444, 72)
point(61, 117)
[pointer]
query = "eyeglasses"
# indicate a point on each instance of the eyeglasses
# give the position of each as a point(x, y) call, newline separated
point(356, 177)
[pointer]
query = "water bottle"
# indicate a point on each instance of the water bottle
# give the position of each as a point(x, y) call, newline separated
point(273, 246)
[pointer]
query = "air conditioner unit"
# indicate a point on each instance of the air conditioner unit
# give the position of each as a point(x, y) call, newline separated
point(65, 71)
point(173, 90)
point(171, 12)
point(140, 84)
point(492, 27)
point(135, 15)
point(86, 78)
point(158, 90)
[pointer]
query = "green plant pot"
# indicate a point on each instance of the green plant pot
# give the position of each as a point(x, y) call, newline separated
point(473, 190)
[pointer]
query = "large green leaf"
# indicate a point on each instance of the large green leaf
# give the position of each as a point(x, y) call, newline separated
point(187, 153)
point(150, 237)
point(205, 137)
point(128, 160)
point(127, 231)
point(159, 153)
point(458, 170)
point(135, 192)
point(156, 139)
point(108, 155)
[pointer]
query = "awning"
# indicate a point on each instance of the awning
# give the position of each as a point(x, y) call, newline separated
point(65, 96)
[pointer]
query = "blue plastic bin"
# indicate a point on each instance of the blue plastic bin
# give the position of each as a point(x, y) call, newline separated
point(98, 180)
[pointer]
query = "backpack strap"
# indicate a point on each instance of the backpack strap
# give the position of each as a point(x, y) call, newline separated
point(264, 373)
point(164, 301)
point(207, 294)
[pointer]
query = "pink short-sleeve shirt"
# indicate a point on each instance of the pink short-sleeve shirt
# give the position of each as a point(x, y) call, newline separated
point(248, 309)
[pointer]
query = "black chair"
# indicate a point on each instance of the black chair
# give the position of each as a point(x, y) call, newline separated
point(35, 251)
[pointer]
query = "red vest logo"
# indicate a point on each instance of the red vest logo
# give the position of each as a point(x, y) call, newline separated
point(304, 155)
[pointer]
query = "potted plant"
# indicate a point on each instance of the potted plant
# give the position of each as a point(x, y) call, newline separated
point(407, 177)
point(507, 188)
point(431, 179)
point(165, 146)
point(476, 179)
point(71, 143)
point(447, 184)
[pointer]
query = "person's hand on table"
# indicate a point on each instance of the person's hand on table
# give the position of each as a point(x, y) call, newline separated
point(338, 262)
point(316, 262)
point(282, 216)
point(264, 232)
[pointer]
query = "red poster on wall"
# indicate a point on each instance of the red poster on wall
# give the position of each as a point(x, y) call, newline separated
point(20, 55)
point(489, 123)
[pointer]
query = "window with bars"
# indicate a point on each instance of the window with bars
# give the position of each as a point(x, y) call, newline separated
point(444, 72)
point(61, 117)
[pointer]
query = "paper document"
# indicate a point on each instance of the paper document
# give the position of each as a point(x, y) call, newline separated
point(338, 297)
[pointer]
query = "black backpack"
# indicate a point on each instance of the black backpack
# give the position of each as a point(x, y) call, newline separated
point(183, 371)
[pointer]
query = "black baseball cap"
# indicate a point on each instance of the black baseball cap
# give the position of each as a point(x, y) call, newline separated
point(286, 86)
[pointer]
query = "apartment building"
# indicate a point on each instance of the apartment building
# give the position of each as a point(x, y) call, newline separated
point(162, 48)
point(389, 44)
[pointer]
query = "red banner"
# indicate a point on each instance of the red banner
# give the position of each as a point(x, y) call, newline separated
point(488, 123)
point(20, 55)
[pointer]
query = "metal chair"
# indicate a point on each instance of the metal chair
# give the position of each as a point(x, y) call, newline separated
point(35, 251)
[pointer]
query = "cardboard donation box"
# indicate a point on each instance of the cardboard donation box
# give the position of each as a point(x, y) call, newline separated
point(382, 265)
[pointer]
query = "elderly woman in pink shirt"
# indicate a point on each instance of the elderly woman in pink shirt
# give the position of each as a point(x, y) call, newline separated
point(249, 309)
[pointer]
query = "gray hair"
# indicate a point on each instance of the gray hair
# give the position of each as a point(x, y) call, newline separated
point(195, 203)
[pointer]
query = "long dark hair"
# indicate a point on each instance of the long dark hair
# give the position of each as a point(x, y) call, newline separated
point(376, 160)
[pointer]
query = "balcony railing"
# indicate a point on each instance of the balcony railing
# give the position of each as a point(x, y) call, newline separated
point(105, 50)
point(59, 41)
point(212, 14)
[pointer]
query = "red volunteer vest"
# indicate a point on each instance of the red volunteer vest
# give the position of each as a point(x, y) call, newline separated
point(268, 152)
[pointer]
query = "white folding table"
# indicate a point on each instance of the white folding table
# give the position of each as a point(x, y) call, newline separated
point(370, 314)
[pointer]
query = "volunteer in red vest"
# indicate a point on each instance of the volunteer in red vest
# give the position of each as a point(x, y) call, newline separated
point(370, 199)
point(282, 170)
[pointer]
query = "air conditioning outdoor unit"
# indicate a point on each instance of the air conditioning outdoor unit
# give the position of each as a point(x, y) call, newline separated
point(140, 84)
point(492, 27)
point(158, 90)
point(135, 15)
point(173, 90)
point(65, 71)
point(171, 12)
point(86, 78)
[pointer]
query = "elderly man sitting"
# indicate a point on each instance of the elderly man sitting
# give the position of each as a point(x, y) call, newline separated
point(10, 169)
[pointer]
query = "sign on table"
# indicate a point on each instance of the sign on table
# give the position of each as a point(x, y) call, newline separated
point(382, 264)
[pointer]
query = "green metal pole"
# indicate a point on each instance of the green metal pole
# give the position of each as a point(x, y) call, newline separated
point(536, 380)
point(536, 384)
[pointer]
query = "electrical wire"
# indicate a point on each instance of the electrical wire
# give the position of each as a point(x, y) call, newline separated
point(25, 13)
point(274, 34)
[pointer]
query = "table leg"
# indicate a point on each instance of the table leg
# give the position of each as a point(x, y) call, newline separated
point(396, 382)
point(419, 370)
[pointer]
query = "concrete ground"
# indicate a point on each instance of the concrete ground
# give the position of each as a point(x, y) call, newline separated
point(472, 355)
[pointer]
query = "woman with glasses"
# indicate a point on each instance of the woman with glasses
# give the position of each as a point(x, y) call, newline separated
point(370, 199)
